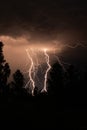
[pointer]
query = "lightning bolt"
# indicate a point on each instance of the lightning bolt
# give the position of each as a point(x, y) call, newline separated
point(48, 69)
point(35, 64)
point(75, 46)
point(31, 69)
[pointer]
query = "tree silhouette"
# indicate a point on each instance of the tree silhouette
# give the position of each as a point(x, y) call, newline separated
point(56, 80)
point(18, 82)
point(4, 71)
point(73, 76)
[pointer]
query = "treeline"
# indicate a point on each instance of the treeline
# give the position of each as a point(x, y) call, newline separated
point(63, 83)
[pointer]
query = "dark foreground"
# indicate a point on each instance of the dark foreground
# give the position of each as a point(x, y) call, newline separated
point(65, 110)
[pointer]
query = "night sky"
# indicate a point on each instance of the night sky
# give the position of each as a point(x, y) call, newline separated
point(43, 17)
point(44, 22)
point(32, 30)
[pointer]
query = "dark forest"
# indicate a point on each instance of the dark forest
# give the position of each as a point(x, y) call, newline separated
point(64, 105)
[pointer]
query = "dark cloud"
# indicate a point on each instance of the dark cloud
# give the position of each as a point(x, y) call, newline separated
point(44, 18)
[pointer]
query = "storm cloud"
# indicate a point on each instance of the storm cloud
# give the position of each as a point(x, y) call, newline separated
point(44, 20)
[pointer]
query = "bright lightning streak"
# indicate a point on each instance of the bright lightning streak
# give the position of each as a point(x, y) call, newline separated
point(48, 69)
point(32, 83)
point(35, 63)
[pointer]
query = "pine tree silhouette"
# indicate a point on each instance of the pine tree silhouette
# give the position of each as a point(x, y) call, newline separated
point(4, 72)
point(56, 81)
point(18, 81)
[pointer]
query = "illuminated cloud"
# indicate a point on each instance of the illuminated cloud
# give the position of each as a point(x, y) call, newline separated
point(44, 23)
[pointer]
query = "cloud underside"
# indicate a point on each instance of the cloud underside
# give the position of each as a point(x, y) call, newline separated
point(44, 20)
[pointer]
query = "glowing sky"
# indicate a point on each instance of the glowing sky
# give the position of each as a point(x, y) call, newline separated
point(40, 24)
point(15, 54)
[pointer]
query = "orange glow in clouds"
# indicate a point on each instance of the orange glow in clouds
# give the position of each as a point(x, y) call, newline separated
point(14, 49)
point(34, 54)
